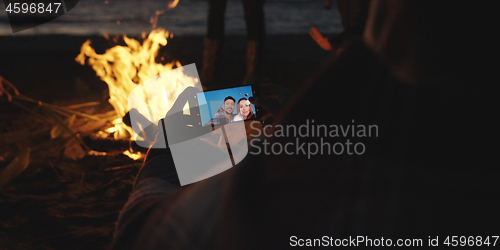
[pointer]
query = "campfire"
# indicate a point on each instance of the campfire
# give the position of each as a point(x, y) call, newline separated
point(71, 164)
point(83, 129)
point(125, 68)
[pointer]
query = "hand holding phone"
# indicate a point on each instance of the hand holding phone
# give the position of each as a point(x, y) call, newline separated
point(229, 105)
point(275, 102)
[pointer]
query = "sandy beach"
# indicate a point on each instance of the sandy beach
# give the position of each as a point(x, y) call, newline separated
point(58, 203)
point(423, 81)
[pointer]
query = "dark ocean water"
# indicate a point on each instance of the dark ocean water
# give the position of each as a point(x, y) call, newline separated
point(96, 17)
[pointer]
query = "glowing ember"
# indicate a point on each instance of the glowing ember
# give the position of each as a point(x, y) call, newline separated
point(154, 19)
point(96, 153)
point(135, 156)
point(172, 4)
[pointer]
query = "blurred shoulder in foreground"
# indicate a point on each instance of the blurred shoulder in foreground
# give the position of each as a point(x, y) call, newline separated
point(423, 77)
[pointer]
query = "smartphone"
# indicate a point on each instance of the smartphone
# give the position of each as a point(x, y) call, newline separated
point(218, 107)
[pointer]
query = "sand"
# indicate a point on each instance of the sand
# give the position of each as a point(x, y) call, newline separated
point(58, 203)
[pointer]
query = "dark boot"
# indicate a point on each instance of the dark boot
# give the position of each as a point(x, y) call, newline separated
point(255, 70)
point(211, 54)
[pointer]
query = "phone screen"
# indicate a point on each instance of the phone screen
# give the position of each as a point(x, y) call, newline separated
point(223, 106)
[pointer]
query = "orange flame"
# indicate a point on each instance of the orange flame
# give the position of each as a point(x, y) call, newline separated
point(124, 68)
point(134, 156)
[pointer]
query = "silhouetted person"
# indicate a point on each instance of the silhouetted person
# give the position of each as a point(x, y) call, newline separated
point(254, 18)
point(429, 171)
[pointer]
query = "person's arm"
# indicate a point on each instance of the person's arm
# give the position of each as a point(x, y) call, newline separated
point(215, 119)
point(210, 123)
point(159, 209)
point(156, 179)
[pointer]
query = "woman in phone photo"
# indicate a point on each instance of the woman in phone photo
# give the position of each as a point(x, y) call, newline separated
point(244, 110)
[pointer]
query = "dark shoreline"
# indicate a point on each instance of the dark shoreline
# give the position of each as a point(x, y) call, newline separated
point(44, 68)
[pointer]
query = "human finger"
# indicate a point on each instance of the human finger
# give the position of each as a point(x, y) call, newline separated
point(282, 93)
point(270, 105)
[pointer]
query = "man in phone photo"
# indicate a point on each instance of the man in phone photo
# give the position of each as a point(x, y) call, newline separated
point(224, 114)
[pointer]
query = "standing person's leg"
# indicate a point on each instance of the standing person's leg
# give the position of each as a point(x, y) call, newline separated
point(215, 27)
point(354, 14)
point(254, 17)
point(213, 40)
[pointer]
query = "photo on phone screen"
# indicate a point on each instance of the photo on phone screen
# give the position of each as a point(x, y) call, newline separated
point(223, 106)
